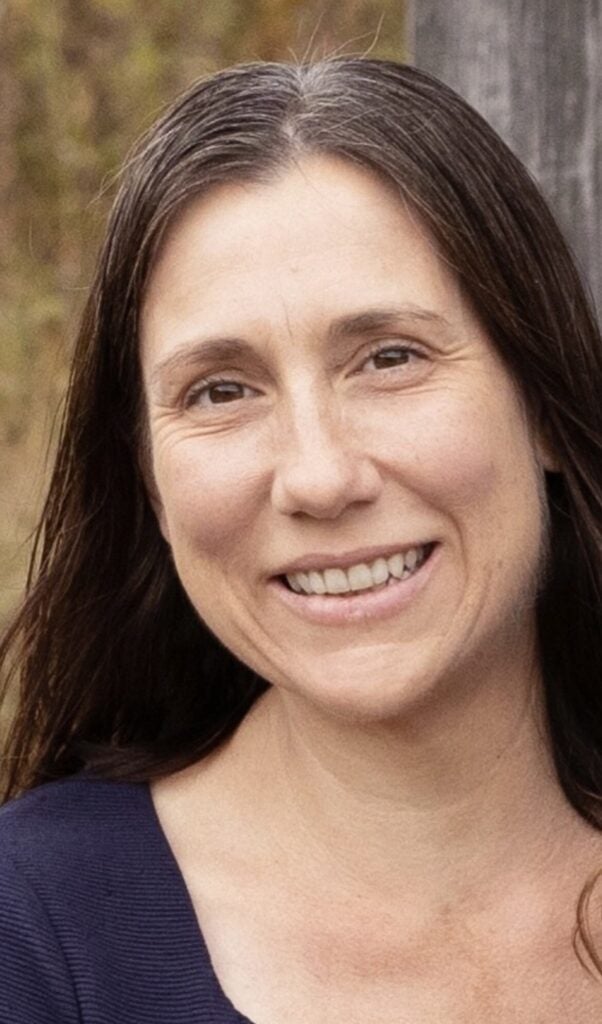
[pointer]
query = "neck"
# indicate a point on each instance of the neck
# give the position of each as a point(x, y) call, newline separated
point(451, 799)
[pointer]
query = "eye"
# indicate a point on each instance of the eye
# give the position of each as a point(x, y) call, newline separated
point(216, 391)
point(393, 356)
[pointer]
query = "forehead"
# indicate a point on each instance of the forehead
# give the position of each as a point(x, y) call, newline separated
point(324, 239)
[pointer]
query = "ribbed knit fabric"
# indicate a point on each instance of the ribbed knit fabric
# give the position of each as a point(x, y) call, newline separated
point(96, 924)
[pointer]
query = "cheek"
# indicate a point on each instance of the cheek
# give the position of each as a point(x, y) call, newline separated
point(447, 451)
point(472, 460)
point(208, 494)
point(464, 474)
point(486, 478)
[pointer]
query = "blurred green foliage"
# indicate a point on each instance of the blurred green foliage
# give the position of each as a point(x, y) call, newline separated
point(79, 81)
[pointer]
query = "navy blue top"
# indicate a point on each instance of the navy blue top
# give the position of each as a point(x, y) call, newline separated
point(96, 923)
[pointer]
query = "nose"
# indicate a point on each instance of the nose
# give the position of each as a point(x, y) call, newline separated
point(321, 469)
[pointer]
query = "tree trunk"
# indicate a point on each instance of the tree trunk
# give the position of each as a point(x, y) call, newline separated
point(532, 68)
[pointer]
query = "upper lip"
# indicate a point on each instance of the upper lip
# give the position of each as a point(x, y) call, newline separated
point(320, 560)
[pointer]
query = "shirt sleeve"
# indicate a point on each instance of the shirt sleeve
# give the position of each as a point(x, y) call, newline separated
point(35, 983)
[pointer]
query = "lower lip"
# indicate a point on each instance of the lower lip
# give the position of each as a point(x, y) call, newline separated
point(340, 610)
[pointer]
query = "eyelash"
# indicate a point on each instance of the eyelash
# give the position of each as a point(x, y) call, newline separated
point(411, 350)
point(205, 383)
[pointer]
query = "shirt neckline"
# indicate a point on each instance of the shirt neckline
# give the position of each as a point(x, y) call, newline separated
point(178, 884)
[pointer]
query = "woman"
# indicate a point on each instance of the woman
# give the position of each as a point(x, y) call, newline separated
point(310, 718)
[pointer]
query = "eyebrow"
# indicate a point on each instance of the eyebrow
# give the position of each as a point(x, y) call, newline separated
point(369, 321)
point(191, 352)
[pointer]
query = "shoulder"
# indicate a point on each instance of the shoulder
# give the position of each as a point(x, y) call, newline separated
point(95, 920)
point(72, 800)
point(59, 825)
point(41, 852)
point(67, 798)
point(70, 843)
point(61, 849)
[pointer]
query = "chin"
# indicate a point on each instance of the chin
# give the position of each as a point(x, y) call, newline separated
point(379, 694)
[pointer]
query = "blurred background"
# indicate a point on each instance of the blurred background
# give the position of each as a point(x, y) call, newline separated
point(79, 81)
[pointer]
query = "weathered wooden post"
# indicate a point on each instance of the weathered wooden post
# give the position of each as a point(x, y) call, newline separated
point(533, 68)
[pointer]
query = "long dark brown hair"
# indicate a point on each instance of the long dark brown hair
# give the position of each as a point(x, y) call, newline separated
point(115, 670)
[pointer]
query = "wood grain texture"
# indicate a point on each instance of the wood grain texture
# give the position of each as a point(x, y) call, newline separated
point(533, 69)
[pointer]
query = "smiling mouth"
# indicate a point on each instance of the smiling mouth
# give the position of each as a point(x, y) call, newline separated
point(361, 578)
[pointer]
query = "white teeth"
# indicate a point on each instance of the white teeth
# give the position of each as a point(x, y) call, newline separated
point(317, 583)
point(303, 581)
point(358, 577)
point(396, 566)
point(336, 581)
point(380, 571)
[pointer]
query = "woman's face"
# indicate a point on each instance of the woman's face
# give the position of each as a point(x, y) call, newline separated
point(324, 406)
